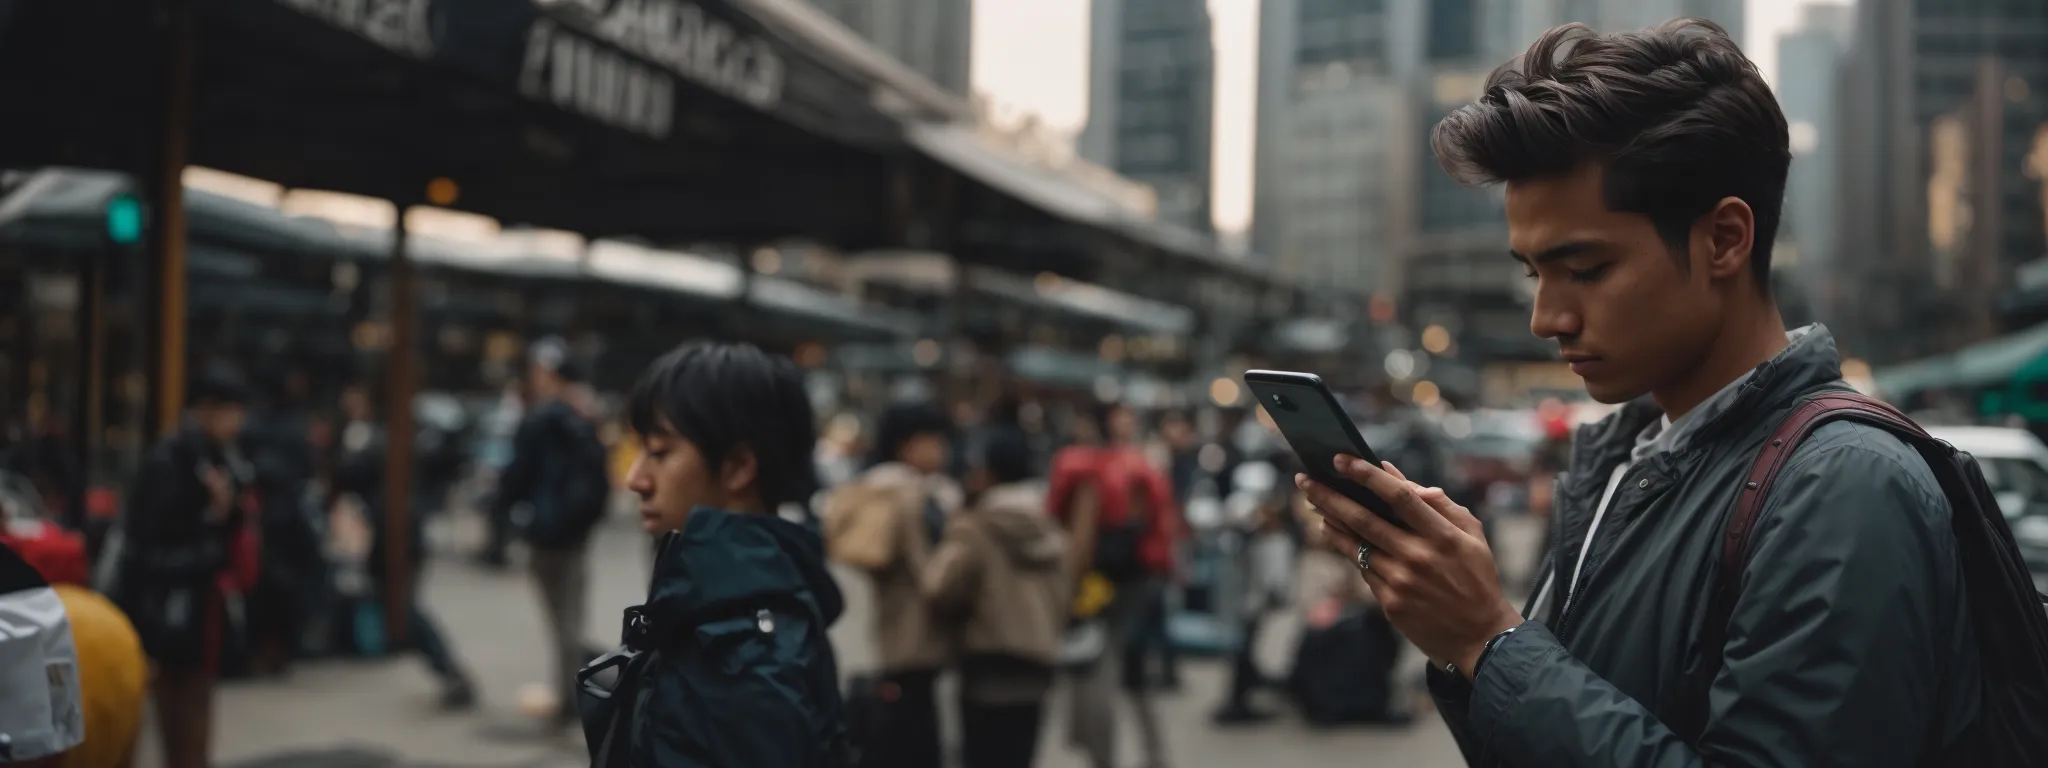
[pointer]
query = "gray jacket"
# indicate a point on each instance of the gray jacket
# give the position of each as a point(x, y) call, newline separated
point(1850, 644)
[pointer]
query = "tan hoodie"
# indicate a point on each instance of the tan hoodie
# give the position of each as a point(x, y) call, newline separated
point(876, 524)
point(1001, 572)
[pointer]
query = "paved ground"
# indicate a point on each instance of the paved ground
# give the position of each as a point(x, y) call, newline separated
point(357, 715)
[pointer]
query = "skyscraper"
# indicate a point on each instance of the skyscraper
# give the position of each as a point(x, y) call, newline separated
point(1808, 58)
point(934, 37)
point(1941, 107)
point(1150, 100)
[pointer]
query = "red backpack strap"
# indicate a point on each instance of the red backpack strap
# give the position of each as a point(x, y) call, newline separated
point(1772, 459)
point(1749, 505)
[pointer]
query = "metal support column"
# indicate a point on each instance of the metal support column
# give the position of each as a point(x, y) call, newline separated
point(399, 372)
point(166, 189)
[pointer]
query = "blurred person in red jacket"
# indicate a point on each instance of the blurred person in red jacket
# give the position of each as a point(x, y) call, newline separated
point(1120, 514)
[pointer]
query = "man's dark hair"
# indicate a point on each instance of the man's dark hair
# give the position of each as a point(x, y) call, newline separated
point(902, 422)
point(725, 397)
point(1006, 455)
point(1105, 412)
point(1676, 115)
point(219, 384)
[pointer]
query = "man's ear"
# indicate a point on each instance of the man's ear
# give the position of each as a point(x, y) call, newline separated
point(741, 467)
point(1727, 234)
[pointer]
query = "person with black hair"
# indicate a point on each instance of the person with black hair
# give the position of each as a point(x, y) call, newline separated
point(1125, 523)
point(187, 552)
point(886, 523)
point(560, 471)
point(358, 474)
point(294, 567)
point(730, 648)
point(1644, 175)
point(1003, 573)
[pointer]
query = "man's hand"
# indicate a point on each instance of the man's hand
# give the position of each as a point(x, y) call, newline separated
point(1436, 581)
point(220, 494)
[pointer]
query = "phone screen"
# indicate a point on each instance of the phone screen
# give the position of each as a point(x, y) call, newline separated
point(1318, 430)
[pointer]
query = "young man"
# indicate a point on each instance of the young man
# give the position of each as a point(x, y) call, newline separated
point(1120, 512)
point(559, 470)
point(1001, 575)
point(887, 522)
point(1644, 175)
point(741, 599)
point(187, 557)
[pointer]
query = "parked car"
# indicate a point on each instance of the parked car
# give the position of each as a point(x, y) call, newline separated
point(2015, 464)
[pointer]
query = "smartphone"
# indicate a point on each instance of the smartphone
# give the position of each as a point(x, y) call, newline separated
point(1318, 430)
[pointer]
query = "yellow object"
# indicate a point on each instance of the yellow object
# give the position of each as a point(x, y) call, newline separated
point(624, 453)
point(113, 679)
point(1095, 594)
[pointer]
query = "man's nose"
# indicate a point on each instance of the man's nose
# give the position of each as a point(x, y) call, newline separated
point(1552, 318)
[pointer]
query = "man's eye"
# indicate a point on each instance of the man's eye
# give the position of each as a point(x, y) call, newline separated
point(1587, 275)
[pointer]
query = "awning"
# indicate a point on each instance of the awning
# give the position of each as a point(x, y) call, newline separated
point(670, 119)
point(1982, 364)
point(66, 209)
point(960, 146)
point(1087, 300)
point(789, 297)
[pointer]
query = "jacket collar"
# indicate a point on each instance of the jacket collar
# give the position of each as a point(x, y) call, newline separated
point(1810, 361)
point(722, 561)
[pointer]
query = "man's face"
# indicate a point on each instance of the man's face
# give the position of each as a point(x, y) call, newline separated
point(926, 452)
point(1123, 425)
point(220, 422)
point(671, 478)
point(1628, 314)
point(1178, 433)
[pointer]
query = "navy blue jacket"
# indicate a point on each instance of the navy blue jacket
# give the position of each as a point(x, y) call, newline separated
point(744, 674)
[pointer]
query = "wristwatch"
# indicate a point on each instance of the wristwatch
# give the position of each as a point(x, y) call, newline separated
point(1451, 667)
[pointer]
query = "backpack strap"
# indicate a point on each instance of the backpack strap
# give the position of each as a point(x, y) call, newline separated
point(1749, 505)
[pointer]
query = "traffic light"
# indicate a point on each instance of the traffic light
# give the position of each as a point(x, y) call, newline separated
point(124, 219)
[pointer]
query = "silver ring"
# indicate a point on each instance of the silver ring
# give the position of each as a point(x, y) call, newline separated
point(1364, 558)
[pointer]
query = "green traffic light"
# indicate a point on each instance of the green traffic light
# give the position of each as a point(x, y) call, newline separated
point(124, 219)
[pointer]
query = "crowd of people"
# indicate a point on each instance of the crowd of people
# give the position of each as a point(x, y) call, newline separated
point(253, 537)
point(1873, 612)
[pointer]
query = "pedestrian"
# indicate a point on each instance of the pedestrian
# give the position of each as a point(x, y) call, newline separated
point(560, 471)
point(359, 473)
point(188, 556)
point(1119, 509)
point(1002, 572)
point(1645, 173)
point(731, 644)
point(886, 523)
point(294, 563)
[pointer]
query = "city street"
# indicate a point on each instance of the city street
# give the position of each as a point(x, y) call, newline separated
point(347, 714)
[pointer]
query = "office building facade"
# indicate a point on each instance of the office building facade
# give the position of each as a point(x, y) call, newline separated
point(1151, 85)
point(933, 37)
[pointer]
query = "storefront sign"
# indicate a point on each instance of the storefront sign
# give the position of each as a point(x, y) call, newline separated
point(403, 26)
point(687, 40)
point(570, 71)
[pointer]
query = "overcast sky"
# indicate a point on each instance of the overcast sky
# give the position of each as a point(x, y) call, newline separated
point(1032, 55)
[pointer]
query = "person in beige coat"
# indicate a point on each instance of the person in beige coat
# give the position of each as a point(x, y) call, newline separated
point(887, 523)
point(1003, 577)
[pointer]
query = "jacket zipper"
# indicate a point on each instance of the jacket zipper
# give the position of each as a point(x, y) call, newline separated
point(1588, 570)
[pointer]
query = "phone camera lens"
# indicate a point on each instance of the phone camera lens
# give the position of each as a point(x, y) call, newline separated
point(1282, 402)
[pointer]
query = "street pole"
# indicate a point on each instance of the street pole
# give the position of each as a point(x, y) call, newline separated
point(166, 182)
point(400, 384)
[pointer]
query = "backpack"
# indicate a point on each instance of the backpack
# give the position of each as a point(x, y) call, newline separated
point(1120, 547)
point(611, 690)
point(2011, 618)
point(582, 472)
